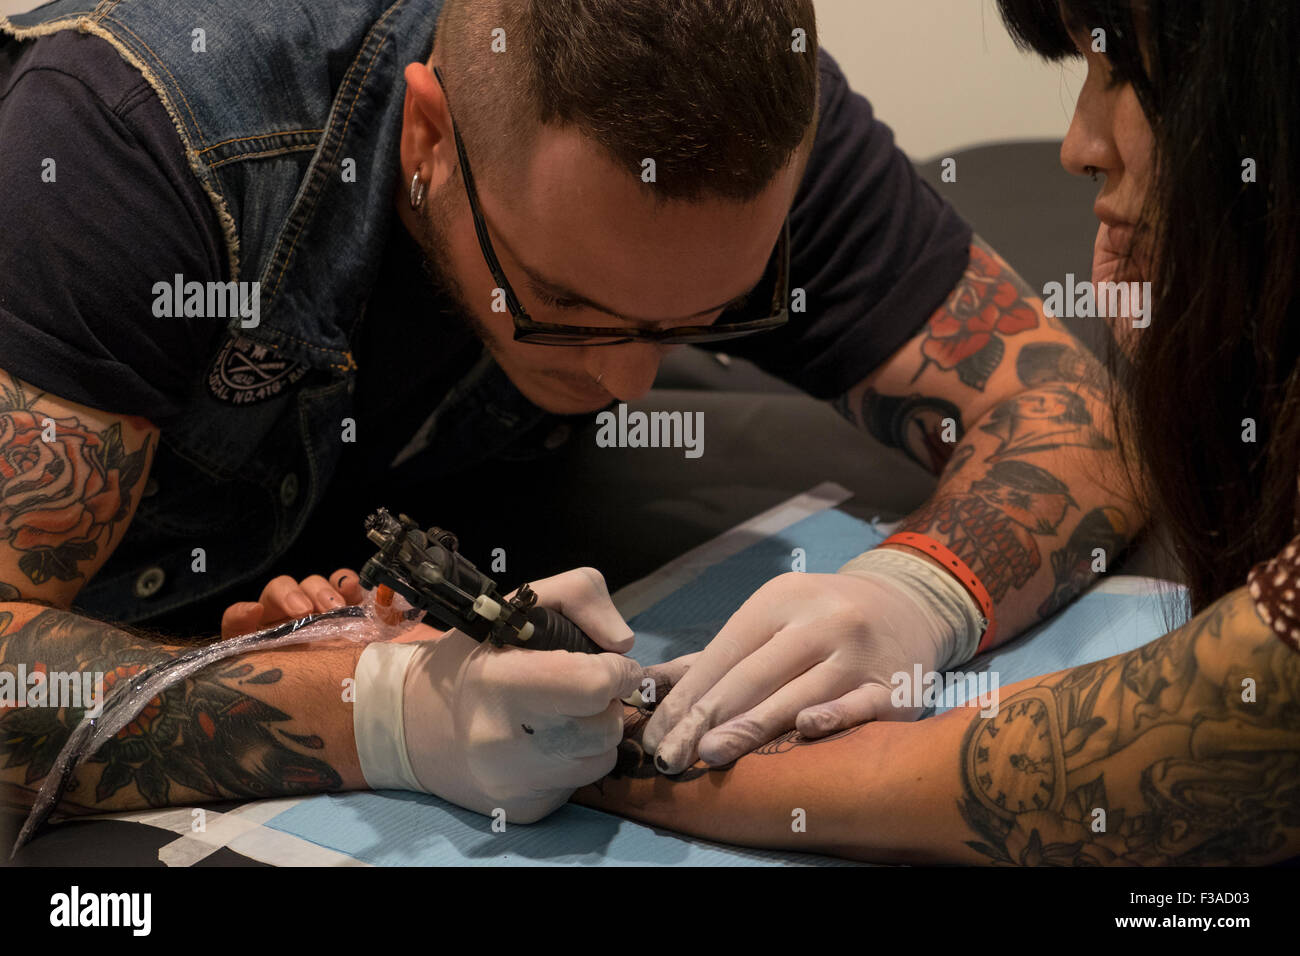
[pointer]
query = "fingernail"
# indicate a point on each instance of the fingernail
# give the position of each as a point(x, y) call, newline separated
point(661, 765)
point(298, 604)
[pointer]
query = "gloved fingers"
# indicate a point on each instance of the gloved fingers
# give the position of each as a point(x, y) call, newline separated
point(560, 682)
point(580, 771)
point(671, 672)
point(860, 705)
point(579, 737)
point(663, 678)
point(763, 722)
point(766, 672)
point(728, 679)
point(747, 630)
point(582, 597)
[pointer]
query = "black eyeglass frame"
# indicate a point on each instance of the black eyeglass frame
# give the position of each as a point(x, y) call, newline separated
point(536, 333)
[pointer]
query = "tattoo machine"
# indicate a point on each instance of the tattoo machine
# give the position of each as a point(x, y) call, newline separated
point(426, 569)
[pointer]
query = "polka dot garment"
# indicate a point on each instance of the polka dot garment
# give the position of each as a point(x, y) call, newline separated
point(1274, 586)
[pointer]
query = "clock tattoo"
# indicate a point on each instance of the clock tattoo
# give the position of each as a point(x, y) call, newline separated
point(1013, 764)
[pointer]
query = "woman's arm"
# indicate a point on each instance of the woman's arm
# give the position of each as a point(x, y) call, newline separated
point(1185, 751)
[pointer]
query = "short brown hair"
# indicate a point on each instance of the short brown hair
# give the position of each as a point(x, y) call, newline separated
point(712, 90)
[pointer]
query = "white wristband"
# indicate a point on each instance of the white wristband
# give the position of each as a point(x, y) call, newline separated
point(939, 590)
point(377, 720)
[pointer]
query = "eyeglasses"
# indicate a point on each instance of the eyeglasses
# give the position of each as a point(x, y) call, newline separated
point(545, 333)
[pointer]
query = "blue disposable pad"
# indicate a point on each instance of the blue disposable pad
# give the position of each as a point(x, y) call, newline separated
point(406, 829)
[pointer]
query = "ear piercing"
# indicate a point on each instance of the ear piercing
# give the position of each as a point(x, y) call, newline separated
point(418, 189)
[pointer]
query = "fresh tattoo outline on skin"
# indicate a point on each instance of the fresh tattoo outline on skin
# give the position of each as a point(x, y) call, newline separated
point(61, 499)
point(201, 734)
point(1034, 777)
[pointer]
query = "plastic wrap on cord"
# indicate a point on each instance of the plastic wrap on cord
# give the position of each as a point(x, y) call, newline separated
point(379, 617)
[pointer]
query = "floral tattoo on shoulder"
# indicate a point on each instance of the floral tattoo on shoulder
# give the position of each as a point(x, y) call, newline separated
point(64, 486)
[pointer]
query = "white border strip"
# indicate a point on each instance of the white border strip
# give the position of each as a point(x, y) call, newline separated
point(241, 829)
point(654, 587)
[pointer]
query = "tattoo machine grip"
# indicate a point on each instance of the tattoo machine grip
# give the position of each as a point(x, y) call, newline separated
point(552, 631)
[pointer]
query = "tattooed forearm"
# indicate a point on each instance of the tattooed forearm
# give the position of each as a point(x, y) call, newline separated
point(993, 525)
point(65, 486)
point(1183, 752)
point(205, 737)
point(1032, 477)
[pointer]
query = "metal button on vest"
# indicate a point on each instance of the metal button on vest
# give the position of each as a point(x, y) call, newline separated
point(289, 490)
point(149, 581)
point(558, 436)
point(150, 488)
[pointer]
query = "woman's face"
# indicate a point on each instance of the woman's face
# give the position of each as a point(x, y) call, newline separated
point(1110, 134)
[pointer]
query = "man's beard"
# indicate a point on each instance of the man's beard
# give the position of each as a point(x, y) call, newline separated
point(437, 262)
point(436, 259)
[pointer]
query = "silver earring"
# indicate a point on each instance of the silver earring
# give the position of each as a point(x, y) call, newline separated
point(418, 188)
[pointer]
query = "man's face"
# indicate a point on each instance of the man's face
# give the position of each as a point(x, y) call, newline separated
point(575, 226)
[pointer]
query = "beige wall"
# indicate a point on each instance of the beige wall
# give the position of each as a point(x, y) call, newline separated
point(942, 73)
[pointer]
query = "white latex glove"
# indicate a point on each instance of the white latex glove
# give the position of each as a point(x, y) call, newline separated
point(814, 652)
point(498, 727)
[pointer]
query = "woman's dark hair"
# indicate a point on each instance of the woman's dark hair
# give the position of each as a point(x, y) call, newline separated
point(1219, 81)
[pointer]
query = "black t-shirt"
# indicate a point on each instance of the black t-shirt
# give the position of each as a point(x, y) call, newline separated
point(873, 246)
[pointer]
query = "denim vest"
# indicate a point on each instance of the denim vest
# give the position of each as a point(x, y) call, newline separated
point(280, 104)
